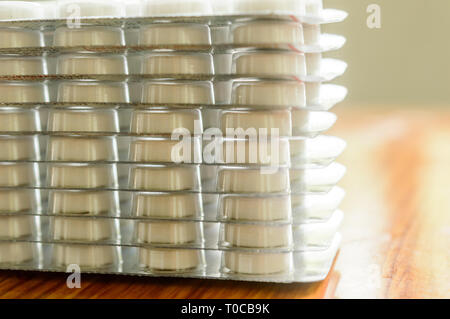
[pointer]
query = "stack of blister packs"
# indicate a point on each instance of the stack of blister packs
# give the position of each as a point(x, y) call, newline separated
point(170, 138)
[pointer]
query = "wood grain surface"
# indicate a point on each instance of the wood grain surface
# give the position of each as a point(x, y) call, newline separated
point(396, 230)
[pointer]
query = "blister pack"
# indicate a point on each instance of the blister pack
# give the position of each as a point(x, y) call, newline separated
point(179, 138)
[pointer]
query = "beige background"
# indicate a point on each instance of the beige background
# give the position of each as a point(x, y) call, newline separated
point(406, 61)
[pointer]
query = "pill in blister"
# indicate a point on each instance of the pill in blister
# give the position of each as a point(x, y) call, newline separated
point(263, 122)
point(19, 200)
point(20, 38)
point(19, 174)
point(165, 205)
point(92, 92)
point(164, 178)
point(83, 229)
point(177, 92)
point(79, 149)
point(256, 236)
point(16, 119)
point(255, 208)
point(91, 64)
point(173, 233)
point(177, 64)
point(16, 227)
point(171, 260)
point(85, 256)
point(17, 148)
point(269, 33)
point(17, 253)
point(23, 92)
point(251, 263)
point(269, 63)
point(62, 202)
point(22, 66)
point(269, 93)
point(82, 175)
point(165, 150)
point(174, 34)
point(253, 180)
point(273, 151)
point(165, 122)
point(83, 119)
point(87, 35)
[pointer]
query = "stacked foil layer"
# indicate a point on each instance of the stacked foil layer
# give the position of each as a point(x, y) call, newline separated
point(190, 145)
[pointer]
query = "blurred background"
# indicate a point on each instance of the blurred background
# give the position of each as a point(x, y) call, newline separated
point(405, 62)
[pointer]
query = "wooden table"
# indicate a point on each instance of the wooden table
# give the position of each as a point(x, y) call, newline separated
point(396, 231)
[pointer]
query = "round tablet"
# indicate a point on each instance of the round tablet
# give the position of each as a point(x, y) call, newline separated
point(174, 34)
point(165, 122)
point(15, 227)
point(271, 63)
point(18, 119)
point(167, 205)
point(248, 263)
point(20, 38)
point(163, 150)
point(177, 64)
point(16, 253)
point(244, 180)
point(83, 202)
point(82, 229)
point(19, 174)
point(164, 178)
point(267, 93)
point(23, 92)
point(170, 259)
point(83, 119)
point(22, 66)
point(19, 200)
point(88, 36)
point(92, 92)
point(82, 176)
point(255, 208)
point(19, 148)
point(174, 233)
point(81, 149)
point(85, 256)
point(257, 236)
point(177, 92)
point(268, 33)
point(91, 64)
